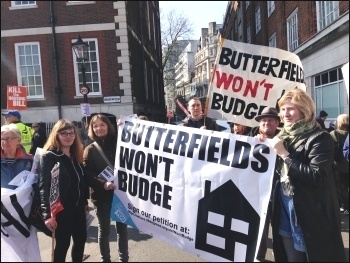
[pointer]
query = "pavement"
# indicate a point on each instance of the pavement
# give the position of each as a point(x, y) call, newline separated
point(145, 248)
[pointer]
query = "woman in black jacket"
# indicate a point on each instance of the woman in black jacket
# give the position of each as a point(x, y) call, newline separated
point(64, 147)
point(102, 132)
point(305, 217)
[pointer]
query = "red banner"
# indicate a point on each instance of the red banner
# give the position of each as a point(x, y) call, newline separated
point(16, 97)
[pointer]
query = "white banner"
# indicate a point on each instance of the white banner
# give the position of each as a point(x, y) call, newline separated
point(19, 241)
point(247, 78)
point(202, 191)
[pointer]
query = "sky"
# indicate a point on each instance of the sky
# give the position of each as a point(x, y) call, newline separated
point(199, 13)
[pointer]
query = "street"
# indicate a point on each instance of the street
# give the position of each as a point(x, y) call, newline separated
point(144, 248)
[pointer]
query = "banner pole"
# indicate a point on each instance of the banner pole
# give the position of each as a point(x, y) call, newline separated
point(53, 245)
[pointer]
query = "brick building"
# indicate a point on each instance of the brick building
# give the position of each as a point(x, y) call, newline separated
point(317, 31)
point(123, 73)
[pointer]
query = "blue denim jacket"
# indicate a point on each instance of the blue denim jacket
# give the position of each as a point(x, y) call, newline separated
point(23, 162)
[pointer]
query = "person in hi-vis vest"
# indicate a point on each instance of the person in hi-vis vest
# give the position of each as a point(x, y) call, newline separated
point(13, 116)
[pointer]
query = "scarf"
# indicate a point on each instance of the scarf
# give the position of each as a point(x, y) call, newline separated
point(290, 135)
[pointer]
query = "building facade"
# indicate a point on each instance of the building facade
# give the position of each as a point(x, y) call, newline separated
point(185, 70)
point(317, 31)
point(123, 72)
point(205, 58)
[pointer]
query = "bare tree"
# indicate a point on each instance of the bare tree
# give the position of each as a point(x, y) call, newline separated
point(176, 30)
point(175, 27)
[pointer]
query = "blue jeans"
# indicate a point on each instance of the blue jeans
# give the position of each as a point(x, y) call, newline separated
point(103, 211)
point(288, 224)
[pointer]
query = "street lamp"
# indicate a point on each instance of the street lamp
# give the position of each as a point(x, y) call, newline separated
point(80, 49)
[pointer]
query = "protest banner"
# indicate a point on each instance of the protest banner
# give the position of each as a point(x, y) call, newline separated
point(19, 242)
point(247, 78)
point(55, 200)
point(16, 97)
point(204, 192)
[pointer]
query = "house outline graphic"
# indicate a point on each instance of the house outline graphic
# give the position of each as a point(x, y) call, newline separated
point(227, 224)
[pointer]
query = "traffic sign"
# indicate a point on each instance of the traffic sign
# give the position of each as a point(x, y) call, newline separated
point(84, 90)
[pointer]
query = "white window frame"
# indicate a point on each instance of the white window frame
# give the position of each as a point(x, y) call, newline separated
point(292, 31)
point(80, 2)
point(335, 103)
point(272, 40)
point(270, 7)
point(88, 65)
point(35, 74)
point(327, 13)
point(22, 3)
point(249, 36)
point(15, 6)
point(257, 19)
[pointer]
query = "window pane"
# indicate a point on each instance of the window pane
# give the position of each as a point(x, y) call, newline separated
point(325, 78)
point(93, 56)
point(22, 60)
point(330, 101)
point(36, 60)
point(317, 80)
point(29, 60)
point(38, 80)
point(333, 75)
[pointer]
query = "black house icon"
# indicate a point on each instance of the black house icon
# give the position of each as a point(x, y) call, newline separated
point(227, 225)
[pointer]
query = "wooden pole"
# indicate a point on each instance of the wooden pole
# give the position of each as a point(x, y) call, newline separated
point(53, 245)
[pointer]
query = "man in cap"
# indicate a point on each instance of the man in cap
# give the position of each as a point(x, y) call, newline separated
point(321, 118)
point(268, 126)
point(13, 116)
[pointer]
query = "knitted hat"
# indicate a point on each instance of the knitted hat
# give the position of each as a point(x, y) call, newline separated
point(323, 113)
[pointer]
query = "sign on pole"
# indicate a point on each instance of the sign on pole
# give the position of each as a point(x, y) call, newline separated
point(16, 97)
point(85, 109)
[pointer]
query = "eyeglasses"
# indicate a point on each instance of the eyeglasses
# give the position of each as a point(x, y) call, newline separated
point(66, 134)
point(8, 139)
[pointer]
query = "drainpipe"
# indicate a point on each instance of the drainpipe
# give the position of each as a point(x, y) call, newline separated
point(55, 57)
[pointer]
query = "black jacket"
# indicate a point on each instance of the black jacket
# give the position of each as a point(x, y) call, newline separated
point(209, 123)
point(73, 189)
point(95, 164)
point(315, 201)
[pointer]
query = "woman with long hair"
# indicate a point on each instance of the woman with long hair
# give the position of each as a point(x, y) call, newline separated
point(305, 217)
point(102, 132)
point(63, 146)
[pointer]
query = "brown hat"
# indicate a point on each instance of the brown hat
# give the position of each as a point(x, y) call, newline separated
point(268, 112)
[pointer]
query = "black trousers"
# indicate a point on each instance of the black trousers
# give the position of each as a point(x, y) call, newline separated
point(71, 223)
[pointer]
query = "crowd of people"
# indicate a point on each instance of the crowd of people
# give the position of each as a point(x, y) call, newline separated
point(310, 184)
